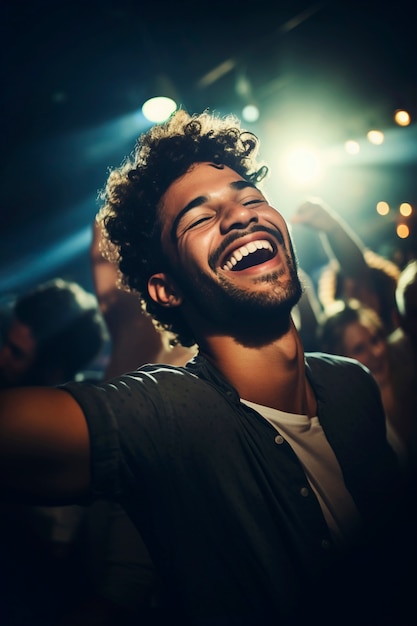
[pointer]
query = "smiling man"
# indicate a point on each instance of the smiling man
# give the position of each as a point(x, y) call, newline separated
point(259, 476)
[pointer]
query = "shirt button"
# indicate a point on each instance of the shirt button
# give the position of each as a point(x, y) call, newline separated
point(325, 544)
point(304, 492)
point(279, 439)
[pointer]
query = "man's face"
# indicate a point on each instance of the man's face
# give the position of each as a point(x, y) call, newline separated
point(230, 251)
point(17, 356)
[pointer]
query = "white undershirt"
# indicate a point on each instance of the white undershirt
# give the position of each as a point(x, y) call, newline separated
point(306, 437)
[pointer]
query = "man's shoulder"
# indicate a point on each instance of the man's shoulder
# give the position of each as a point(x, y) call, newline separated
point(329, 370)
point(341, 381)
point(324, 360)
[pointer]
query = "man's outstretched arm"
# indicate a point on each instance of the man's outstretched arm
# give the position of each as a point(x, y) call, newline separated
point(44, 447)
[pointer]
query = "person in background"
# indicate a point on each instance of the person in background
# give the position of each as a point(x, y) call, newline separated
point(356, 331)
point(403, 349)
point(353, 271)
point(249, 472)
point(406, 300)
point(55, 332)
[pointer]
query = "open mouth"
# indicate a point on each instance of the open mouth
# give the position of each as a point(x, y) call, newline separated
point(249, 255)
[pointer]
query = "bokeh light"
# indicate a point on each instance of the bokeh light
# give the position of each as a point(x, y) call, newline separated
point(402, 118)
point(382, 208)
point(375, 137)
point(405, 209)
point(158, 109)
point(352, 147)
point(303, 165)
point(403, 231)
point(250, 113)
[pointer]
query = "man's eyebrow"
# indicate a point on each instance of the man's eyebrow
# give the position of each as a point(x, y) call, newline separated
point(242, 184)
point(238, 185)
point(196, 202)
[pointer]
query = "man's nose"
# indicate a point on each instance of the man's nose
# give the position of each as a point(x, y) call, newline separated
point(235, 215)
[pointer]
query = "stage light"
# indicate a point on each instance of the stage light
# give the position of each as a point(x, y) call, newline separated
point(352, 147)
point(376, 137)
point(403, 231)
point(406, 209)
point(382, 208)
point(250, 113)
point(303, 165)
point(402, 118)
point(158, 109)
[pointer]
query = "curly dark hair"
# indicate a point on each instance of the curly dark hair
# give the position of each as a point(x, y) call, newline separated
point(131, 198)
point(67, 324)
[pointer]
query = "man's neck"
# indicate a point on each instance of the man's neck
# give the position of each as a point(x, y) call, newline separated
point(272, 375)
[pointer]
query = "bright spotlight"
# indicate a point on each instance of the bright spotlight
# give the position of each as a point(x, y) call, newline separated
point(376, 137)
point(158, 109)
point(250, 113)
point(382, 208)
point(402, 118)
point(403, 231)
point(352, 147)
point(303, 165)
point(406, 209)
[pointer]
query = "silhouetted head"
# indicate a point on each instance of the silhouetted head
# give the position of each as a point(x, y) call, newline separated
point(55, 331)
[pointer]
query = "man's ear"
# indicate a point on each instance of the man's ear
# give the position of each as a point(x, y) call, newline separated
point(163, 290)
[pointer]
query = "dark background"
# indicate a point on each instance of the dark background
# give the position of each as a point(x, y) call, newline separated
point(74, 75)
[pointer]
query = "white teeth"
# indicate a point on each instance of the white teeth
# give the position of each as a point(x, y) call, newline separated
point(251, 247)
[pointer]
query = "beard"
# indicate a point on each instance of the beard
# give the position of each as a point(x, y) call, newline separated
point(250, 316)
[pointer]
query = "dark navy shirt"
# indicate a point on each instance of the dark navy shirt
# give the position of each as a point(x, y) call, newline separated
point(223, 504)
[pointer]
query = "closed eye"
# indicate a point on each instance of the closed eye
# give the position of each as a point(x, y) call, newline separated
point(257, 201)
point(190, 221)
point(197, 222)
point(203, 218)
